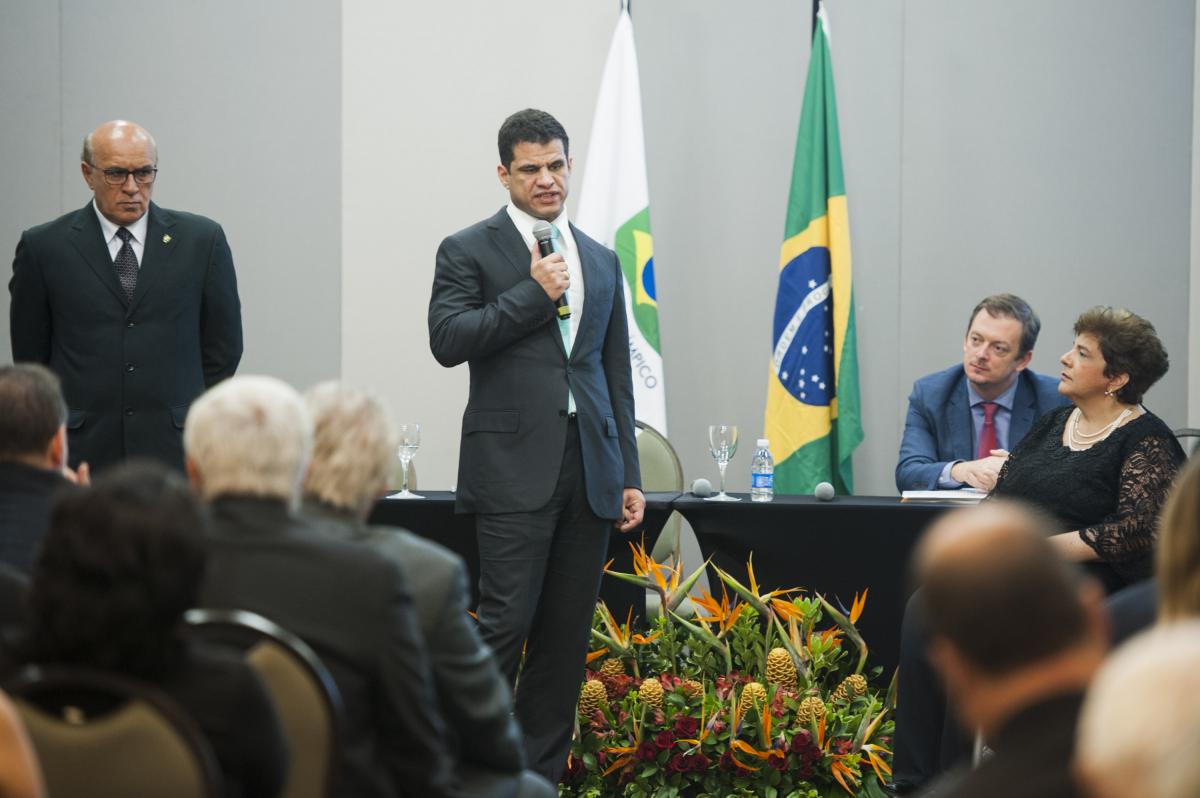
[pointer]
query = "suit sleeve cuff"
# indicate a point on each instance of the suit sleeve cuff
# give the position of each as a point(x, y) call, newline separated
point(945, 480)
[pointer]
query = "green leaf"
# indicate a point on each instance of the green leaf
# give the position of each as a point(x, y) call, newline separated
point(648, 770)
point(589, 761)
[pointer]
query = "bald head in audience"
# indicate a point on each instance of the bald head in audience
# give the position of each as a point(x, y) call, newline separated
point(248, 436)
point(1010, 622)
point(1139, 733)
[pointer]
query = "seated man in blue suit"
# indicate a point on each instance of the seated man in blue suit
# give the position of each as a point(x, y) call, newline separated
point(962, 420)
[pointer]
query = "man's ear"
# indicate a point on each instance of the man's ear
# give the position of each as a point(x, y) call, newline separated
point(950, 665)
point(56, 452)
point(1024, 360)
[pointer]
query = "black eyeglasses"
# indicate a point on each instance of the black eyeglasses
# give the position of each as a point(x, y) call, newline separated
point(117, 177)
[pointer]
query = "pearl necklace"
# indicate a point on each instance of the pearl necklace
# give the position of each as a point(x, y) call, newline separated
point(1078, 441)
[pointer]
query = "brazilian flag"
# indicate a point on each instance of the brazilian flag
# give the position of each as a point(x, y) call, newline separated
point(813, 417)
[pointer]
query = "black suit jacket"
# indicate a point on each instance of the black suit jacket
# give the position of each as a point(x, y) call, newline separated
point(488, 311)
point(475, 699)
point(351, 605)
point(129, 368)
point(26, 493)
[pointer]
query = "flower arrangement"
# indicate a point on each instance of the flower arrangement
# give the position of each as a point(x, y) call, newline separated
point(758, 696)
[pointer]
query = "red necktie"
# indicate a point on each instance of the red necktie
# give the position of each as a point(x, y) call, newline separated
point(987, 435)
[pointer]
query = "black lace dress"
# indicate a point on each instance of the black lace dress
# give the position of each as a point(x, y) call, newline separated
point(1110, 493)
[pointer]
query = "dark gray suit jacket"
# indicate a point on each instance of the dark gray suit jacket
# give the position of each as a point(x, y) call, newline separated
point(486, 310)
point(352, 606)
point(129, 369)
point(475, 699)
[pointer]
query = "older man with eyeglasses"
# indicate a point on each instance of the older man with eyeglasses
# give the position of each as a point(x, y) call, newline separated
point(134, 306)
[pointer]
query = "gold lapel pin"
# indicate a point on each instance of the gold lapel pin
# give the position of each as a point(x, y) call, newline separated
point(166, 238)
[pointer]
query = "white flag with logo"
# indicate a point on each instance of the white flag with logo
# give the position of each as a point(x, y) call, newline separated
point(614, 208)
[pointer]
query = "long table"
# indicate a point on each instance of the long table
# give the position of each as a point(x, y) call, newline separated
point(434, 518)
point(835, 548)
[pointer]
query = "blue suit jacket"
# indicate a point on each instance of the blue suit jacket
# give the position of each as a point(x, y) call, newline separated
point(939, 429)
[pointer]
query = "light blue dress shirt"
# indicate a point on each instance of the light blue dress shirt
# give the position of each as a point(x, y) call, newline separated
point(1001, 419)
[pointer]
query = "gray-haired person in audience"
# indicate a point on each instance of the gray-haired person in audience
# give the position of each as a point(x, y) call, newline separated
point(354, 444)
point(1139, 732)
point(247, 442)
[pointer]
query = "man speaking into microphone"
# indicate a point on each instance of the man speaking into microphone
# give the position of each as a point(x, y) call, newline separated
point(547, 462)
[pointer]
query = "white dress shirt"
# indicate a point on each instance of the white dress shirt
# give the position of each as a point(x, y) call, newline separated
point(137, 229)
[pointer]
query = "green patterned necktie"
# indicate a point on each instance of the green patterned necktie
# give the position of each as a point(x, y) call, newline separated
point(564, 325)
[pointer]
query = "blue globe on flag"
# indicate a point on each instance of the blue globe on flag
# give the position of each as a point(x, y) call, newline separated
point(803, 334)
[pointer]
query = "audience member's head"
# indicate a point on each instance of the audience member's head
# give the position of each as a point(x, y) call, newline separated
point(33, 416)
point(121, 563)
point(354, 445)
point(1178, 555)
point(1010, 622)
point(1129, 345)
point(1140, 726)
point(248, 436)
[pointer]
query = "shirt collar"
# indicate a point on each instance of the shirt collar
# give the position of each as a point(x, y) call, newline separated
point(525, 223)
point(138, 228)
point(1004, 400)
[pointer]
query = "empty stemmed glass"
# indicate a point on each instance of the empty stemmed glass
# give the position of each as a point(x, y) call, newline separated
point(410, 441)
point(722, 443)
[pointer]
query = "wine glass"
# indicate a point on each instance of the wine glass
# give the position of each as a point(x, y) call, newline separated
point(410, 441)
point(722, 443)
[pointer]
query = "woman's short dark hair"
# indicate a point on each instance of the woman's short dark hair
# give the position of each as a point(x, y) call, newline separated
point(1129, 344)
point(120, 564)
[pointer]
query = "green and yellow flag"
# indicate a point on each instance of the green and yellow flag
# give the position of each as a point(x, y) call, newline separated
point(813, 417)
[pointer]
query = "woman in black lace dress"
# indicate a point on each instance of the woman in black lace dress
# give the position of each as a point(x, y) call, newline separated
point(1104, 465)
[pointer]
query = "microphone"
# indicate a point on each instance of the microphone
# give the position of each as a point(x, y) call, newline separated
point(701, 488)
point(543, 232)
point(824, 492)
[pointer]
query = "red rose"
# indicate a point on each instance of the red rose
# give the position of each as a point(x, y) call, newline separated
point(801, 740)
point(664, 739)
point(686, 726)
point(679, 763)
point(646, 751)
point(699, 762)
point(726, 761)
point(778, 761)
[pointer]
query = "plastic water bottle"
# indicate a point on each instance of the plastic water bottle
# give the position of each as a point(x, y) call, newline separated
point(762, 473)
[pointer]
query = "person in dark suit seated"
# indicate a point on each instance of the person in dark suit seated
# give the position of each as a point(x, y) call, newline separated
point(122, 562)
point(354, 447)
point(962, 420)
point(248, 442)
point(1016, 637)
point(33, 459)
point(134, 306)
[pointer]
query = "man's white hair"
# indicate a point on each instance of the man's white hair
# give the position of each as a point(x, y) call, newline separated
point(354, 446)
point(249, 436)
point(1141, 721)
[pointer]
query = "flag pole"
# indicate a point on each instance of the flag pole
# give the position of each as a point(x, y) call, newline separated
point(816, 10)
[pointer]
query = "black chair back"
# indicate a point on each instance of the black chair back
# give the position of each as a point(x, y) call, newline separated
point(306, 698)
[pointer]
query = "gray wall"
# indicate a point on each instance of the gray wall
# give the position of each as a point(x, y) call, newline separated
point(243, 100)
point(1042, 148)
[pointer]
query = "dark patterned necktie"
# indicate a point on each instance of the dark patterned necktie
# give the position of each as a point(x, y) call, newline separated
point(126, 263)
